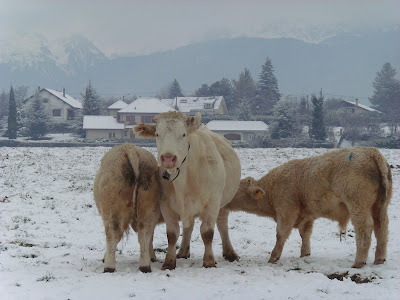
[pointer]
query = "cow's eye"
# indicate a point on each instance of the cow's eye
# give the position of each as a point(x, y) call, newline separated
point(156, 134)
point(184, 135)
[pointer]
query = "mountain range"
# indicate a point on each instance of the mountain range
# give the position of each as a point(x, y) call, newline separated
point(344, 65)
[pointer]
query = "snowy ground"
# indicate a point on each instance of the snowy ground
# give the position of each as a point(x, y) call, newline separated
point(52, 241)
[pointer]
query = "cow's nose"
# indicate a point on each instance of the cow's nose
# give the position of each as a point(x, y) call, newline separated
point(168, 160)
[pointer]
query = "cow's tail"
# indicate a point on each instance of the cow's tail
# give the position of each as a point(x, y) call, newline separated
point(379, 212)
point(133, 157)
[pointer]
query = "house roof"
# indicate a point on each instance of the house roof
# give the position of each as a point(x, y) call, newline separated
point(101, 122)
point(224, 125)
point(187, 104)
point(67, 99)
point(118, 105)
point(146, 105)
point(361, 106)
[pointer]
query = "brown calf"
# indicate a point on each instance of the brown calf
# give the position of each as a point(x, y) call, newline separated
point(353, 183)
point(127, 192)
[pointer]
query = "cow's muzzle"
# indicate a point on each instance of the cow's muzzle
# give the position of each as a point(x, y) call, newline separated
point(168, 161)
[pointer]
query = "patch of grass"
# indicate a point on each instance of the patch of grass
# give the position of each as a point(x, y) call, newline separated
point(48, 277)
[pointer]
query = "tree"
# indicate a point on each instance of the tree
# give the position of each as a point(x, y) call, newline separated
point(386, 96)
point(244, 110)
point(267, 89)
point(222, 87)
point(175, 90)
point(12, 116)
point(244, 88)
point(91, 101)
point(37, 122)
point(285, 123)
point(318, 126)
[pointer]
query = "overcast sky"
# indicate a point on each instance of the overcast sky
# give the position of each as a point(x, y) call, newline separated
point(141, 27)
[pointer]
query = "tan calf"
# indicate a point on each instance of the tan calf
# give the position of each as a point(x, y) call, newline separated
point(353, 183)
point(127, 192)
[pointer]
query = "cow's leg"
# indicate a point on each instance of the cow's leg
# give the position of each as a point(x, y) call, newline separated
point(381, 223)
point(171, 220)
point(207, 234)
point(222, 224)
point(145, 233)
point(363, 225)
point(305, 233)
point(184, 250)
point(153, 256)
point(284, 226)
point(114, 234)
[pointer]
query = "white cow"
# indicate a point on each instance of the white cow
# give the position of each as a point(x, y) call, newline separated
point(203, 173)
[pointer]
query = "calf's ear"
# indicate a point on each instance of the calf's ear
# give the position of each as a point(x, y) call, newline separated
point(193, 122)
point(145, 130)
point(257, 193)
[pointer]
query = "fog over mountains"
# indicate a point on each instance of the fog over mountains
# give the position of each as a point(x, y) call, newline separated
point(343, 65)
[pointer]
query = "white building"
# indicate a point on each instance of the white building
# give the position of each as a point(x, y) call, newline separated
point(239, 130)
point(205, 105)
point(59, 106)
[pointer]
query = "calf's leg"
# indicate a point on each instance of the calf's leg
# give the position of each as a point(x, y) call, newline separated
point(171, 220)
point(381, 223)
point(305, 233)
point(114, 234)
point(284, 226)
point(222, 224)
point(363, 225)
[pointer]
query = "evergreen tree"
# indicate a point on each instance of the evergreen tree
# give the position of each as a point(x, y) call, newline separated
point(222, 87)
point(37, 122)
point(175, 90)
point(203, 91)
point(267, 89)
point(91, 101)
point(12, 116)
point(244, 88)
point(4, 102)
point(386, 96)
point(244, 110)
point(318, 125)
point(285, 121)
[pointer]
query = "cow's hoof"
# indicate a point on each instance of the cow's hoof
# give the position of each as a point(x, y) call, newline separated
point(306, 254)
point(210, 265)
point(145, 269)
point(273, 260)
point(358, 265)
point(231, 257)
point(109, 270)
point(168, 266)
point(379, 261)
point(185, 256)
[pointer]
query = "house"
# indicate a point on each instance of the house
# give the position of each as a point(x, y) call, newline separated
point(104, 127)
point(59, 106)
point(142, 110)
point(205, 105)
point(356, 107)
point(115, 107)
point(239, 130)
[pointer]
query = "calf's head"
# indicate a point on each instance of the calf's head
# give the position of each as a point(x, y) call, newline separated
point(171, 130)
point(249, 189)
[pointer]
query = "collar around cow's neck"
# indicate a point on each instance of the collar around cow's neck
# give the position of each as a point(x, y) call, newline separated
point(166, 175)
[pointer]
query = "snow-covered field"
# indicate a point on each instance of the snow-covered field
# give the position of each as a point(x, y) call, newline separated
point(52, 241)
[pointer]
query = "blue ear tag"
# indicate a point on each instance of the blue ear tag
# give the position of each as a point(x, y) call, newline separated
point(351, 156)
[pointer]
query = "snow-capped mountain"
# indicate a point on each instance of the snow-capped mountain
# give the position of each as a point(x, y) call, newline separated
point(35, 52)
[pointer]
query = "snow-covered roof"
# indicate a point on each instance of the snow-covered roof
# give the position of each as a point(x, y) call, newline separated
point(362, 106)
point(224, 125)
point(67, 99)
point(146, 105)
point(118, 105)
point(187, 104)
point(101, 122)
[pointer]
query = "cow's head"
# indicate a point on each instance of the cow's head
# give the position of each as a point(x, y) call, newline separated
point(171, 130)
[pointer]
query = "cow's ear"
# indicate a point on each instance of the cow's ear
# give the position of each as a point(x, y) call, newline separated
point(193, 122)
point(145, 130)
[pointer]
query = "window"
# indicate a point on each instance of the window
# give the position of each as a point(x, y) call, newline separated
point(208, 105)
point(56, 112)
point(125, 133)
point(111, 134)
point(45, 100)
point(71, 114)
point(128, 118)
point(147, 119)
